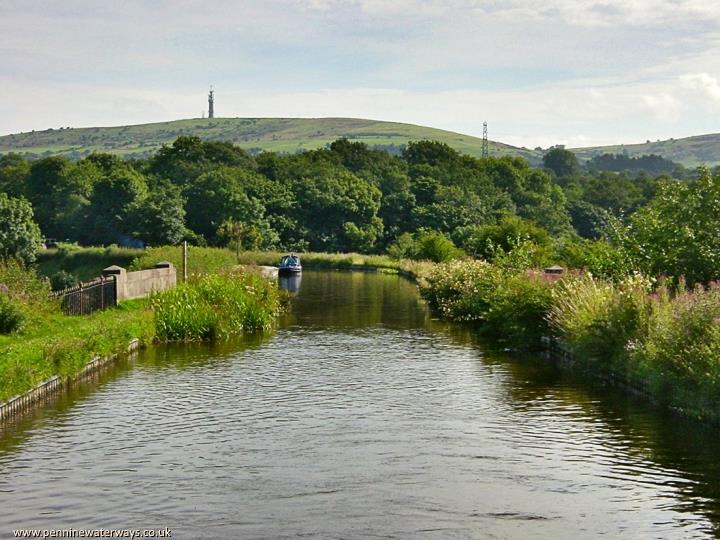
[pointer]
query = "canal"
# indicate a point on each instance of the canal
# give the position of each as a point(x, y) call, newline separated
point(360, 417)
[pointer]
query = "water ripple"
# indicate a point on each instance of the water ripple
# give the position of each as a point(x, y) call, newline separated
point(395, 429)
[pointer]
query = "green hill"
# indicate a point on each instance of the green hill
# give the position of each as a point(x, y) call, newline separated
point(274, 134)
point(690, 151)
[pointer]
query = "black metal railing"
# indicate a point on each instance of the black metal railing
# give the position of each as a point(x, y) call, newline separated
point(86, 298)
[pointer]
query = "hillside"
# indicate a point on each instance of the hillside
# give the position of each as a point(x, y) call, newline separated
point(273, 134)
point(690, 151)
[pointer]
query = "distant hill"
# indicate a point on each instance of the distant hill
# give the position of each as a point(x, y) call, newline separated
point(291, 135)
point(273, 134)
point(690, 151)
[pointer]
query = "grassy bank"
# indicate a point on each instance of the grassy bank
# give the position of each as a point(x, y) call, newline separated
point(37, 341)
point(201, 260)
point(663, 341)
point(342, 261)
point(87, 263)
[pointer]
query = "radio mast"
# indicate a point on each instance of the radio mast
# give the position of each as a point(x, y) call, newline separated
point(211, 103)
point(485, 146)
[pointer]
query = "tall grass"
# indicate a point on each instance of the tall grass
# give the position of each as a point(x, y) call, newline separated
point(215, 307)
point(201, 260)
point(662, 341)
point(679, 355)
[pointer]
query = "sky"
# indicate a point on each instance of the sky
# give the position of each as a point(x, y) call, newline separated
point(573, 72)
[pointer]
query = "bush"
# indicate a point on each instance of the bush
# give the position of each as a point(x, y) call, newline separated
point(680, 356)
point(25, 287)
point(602, 321)
point(460, 290)
point(424, 246)
point(62, 280)
point(599, 257)
point(19, 235)
point(511, 305)
point(215, 307)
point(11, 316)
point(518, 308)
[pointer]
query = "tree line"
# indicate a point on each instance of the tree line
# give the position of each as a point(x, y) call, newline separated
point(429, 201)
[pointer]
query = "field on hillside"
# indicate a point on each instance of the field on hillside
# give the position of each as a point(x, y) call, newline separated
point(288, 135)
point(690, 151)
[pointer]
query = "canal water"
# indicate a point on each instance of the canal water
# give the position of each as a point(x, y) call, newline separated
point(360, 417)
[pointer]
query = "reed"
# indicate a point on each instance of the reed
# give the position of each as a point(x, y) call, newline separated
point(216, 307)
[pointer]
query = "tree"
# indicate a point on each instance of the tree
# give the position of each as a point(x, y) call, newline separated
point(241, 236)
point(20, 236)
point(14, 173)
point(113, 205)
point(46, 178)
point(510, 232)
point(160, 218)
point(338, 209)
point(562, 162)
point(678, 232)
point(218, 196)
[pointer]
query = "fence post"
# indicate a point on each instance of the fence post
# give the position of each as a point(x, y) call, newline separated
point(119, 274)
point(80, 292)
point(102, 292)
point(185, 254)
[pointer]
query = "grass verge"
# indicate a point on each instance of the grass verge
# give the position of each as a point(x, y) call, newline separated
point(44, 342)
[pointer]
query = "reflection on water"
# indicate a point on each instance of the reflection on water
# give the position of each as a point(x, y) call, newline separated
point(290, 282)
point(360, 417)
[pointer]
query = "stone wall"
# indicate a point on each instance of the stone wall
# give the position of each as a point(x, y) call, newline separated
point(143, 282)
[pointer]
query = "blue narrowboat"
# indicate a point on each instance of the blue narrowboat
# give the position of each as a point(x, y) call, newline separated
point(290, 264)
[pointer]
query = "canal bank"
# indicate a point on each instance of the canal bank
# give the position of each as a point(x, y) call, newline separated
point(52, 349)
point(360, 416)
point(644, 335)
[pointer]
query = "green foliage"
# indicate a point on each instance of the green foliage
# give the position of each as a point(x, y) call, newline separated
point(598, 319)
point(648, 164)
point(511, 305)
point(492, 241)
point(588, 220)
point(62, 280)
point(349, 197)
point(561, 162)
point(425, 246)
point(215, 307)
point(23, 284)
point(19, 235)
point(11, 316)
point(666, 344)
point(678, 232)
point(219, 196)
point(84, 263)
point(113, 205)
point(601, 258)
point(14, 173)
point(680, 354)
point(159, 218)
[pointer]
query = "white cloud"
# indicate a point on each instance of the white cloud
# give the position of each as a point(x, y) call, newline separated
point(707, 85)
point(664, 107)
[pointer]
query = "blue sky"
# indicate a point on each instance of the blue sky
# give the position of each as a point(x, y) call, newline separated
point(575, 72)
